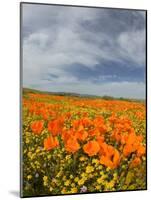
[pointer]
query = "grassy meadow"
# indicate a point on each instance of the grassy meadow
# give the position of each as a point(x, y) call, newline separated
point(82, 144)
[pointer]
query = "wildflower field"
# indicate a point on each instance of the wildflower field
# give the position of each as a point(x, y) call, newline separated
point(74, 144)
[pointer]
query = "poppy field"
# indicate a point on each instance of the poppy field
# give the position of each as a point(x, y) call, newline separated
point(73, 144)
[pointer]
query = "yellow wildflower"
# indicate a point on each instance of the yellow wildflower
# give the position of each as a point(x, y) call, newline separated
point(72, 184)
point(101, 179)
point(71, 176)
point(27, 141)
point(97, 187)
point(76, 179)
point(49, 156)
point(110, 184)
point(37, 150)
point(29, 177)
point(100, 167)
point(63, 191)
point(89, 169)
point(54, 180)
point(64, 178)
point(74, 190)
point(68, 157)
point(102, 173)
point(45, 178)
point(82, 158)
point(83, 174)
point(59, 174)
point(67, 183)
point(90, 175)
point(95, 161)
point(81, 181)
point(25, 151)
point(29, 154)
point(115, 176)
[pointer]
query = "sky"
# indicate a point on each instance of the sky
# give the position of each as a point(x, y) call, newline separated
point(84, 50)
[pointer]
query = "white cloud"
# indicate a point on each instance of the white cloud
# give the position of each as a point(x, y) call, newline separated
point(56, 39)
point(132, 46)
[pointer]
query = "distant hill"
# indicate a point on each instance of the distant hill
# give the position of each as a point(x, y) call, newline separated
point(105, 97)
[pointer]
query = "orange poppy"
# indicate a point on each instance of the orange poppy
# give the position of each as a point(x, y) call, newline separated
point(116, 158)
point(86, 122)
point(37, 127)
point(72, 145)
point(51, 143)
point(76, 123)
point(116, 135)
point(44, 114)
point(133, 144)
point(111, 158)
point(113, 118)
point(135, 162)
point(140, 138)
point(81, 135)
point(68, 115)
point(103, 148)
point(55, 126)
point(106, 161)
point(91, 148)
point(99, 124)
point(132, 138)
point(94, 132)
point(102, 129)
point(128, 149)
point(99, 121)
point(141, 150)
point(123, 138)
point(100, 140)
point(66, 134)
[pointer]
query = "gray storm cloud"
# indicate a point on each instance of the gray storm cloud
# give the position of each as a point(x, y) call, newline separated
point(57, 38)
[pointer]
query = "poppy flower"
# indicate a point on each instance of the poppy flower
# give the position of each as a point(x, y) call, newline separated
point(112, 118)
point(141, 150)
point(37, 127)
point(133, 144)
point(132, 138)
point(81, 135)
point(111, 158)
point(72, 145)
point(102, 129)
point(106, 161)
point(44, 114)
point(86, 122)
point(116, 158)
point(123, 138)
point(66, 134)
point(99, 121)
point(94, 132)
point(51, 143)
point(68, 115)
point(135, 162)
point(128, 149)
point(91, 148)
point(75, 124)
point(103, 148)
point(55, 126)
point(100, 140)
